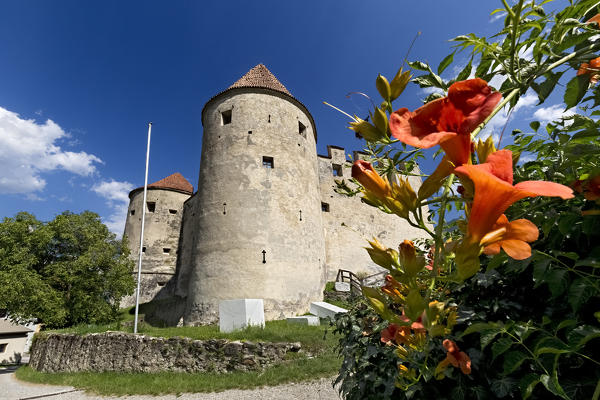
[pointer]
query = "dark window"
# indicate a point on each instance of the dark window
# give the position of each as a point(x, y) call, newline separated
point(132, 212)
point(269, 118)
point(225, 117)
point(249, 132)
point(3, 347)
point(166, 250)
point(337, 169)
point(324, 207)
point(143, 249)
point(171, 211)
point(161, 284)
point(268, 162)
point(151, 206)
point(301, 129)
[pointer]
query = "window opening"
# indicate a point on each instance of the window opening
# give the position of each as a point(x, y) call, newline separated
point(269, 118)
point(161, 284)
point(151, 206)
point(143, 249)
point(225, 117)
point(267, 162)
point(3, 347)
point(171, 211)
point(166, 250)
point(249, 132)
point(324, 207)
point(336, 169)
point(301, 129)
point(224, 208)
point(132, 212)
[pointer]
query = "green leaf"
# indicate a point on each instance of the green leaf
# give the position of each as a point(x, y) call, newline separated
point(544, 89)
point(512, 361)
point(497, 260)
point(576, 89)
point(466, 72)
point(579, 336)
point(551, 344)
point(418, 65)
point(580, 292)
point(487, 336)
point(535, 125)
point(557, 280)
point(445, 63)
point(480, 326)
point(483, 67)
point(502, 387)
point(527, 384)
point(565, 323)
point(566, 222)
point(552, 385)
point(500, 346)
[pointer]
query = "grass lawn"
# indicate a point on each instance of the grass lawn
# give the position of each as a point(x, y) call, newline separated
point(318, 360)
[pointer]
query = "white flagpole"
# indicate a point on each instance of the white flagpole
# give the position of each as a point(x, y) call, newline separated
point(139, 275)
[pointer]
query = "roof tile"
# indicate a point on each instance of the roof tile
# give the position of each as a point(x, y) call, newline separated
point(175, 181)
point(260, 76)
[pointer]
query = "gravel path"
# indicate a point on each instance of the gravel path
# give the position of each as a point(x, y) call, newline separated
point(13, 389)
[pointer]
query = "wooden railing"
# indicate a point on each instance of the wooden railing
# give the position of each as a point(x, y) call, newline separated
point(344, 275)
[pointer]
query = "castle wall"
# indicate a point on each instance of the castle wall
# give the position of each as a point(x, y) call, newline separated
point(244, 207)
point(350, 222)
point(161, 239)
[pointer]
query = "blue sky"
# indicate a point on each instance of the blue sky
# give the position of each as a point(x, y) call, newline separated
point(79, 81)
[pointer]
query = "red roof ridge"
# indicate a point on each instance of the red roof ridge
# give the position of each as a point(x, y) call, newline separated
point(174, 181)
point(260, 76)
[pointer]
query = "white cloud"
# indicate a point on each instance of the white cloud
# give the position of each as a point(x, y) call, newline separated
point(117, 194)
point(552, 113)
point(429, 90)
point(27, 149)
point(497, 16)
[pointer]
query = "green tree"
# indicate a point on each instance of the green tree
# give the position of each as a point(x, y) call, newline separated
point(70, 270)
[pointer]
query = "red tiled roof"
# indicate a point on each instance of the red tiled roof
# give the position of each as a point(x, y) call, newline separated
point(260, 76)
point(175, 181)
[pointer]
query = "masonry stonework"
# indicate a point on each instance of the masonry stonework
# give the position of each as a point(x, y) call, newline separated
point(265, 221)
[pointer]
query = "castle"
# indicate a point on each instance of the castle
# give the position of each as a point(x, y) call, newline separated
point(265, 221)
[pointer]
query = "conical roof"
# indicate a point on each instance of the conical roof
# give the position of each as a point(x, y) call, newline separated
point(261, 77)
point(174, 181)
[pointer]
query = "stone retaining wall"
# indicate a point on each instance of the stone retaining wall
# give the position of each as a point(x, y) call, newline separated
point(125, 352)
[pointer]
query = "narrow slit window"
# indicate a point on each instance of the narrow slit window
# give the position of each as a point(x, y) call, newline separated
point(324, 207)
point(269, 118)
point(171, 211)
point(267, 162)
point(166, 250)
point(143, 249)
point(301, 129)
point(132, 212)
point(336, 169)
point(225, 117)
point(151, 206)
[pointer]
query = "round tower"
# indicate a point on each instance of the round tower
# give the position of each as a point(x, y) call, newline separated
point(164, 210)
point(258, 214)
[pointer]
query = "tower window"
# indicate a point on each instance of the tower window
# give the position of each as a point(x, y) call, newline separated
point(166, 250)
point(151, 206)
point(324, 207)
point(269, 118)
point(3, 347)
point(249, 132)
point(336, 169)
point(301, 129)
point(143, 249)
point(267, 162)
point(171, 211)
point(132, 212)
point(225, 117)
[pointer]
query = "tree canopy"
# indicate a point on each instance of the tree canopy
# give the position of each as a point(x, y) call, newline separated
point(67, 271)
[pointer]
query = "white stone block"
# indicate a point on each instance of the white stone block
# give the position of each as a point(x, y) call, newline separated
point(311, 320)
point(240, 313)
point(342, 286)
point(325, 310)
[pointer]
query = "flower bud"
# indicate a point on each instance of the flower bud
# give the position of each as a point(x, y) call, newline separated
point(405, 194)
point(410, 261)
point(387, 258)
point(380, 120)
point(399, 83)
point(383, 87)
point(484, 149)
point(364, 173)
point(366, 130)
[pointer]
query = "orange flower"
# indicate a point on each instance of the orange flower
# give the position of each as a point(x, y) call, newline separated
point(512, 237)
point(447, 121)
point(494, 193)
point(594, 19)
point(395, 333)
point(589, 187)
point(592, 69)
point(455, 357)
point(363, 172)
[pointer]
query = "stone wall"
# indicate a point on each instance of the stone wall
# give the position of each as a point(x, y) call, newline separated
point(124, 352)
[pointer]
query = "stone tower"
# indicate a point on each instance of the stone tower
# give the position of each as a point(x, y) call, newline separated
point(164, 213)
point(255, 224)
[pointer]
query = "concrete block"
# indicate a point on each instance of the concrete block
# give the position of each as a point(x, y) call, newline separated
point(342, 286)
point(325, 310)
point(311, 320)
point(240, 313)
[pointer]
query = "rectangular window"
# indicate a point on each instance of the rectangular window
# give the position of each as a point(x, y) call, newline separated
point(132, 212)
point(268, 162)
point(324, 207)
point(336, 169)
point(143, 249)
point(166, 250)
point(301, 129)
point(151, 206)
point(171, 211)
point(225, 117)
point(3, 347)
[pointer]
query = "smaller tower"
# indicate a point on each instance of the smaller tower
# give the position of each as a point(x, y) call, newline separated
point(164, 211)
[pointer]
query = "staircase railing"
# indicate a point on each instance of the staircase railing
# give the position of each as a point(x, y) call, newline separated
point(344, 275)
